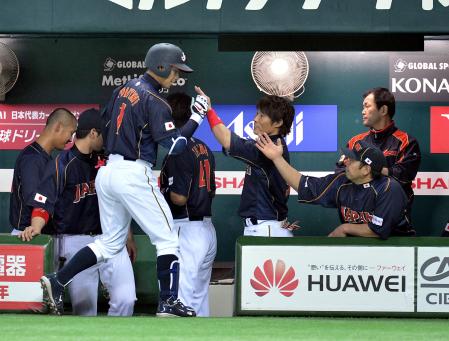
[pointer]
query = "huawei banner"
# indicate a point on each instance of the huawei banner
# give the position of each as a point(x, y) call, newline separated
point(327, 278)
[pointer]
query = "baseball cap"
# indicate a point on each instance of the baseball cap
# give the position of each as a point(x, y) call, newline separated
point(90, 119)
point(368, 154)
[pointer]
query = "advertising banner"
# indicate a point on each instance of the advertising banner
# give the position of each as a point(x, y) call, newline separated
point(216, 16)
point(439, 128)
point(22, 124)
point(314, 127)
point(327, 278)
point(433, 279)
point(21, 267)
point(419, 77)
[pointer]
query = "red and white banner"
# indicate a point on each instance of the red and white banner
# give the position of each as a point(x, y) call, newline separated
point(231, 182)
point(439, 129)
point(22, 124)
point(21, 267)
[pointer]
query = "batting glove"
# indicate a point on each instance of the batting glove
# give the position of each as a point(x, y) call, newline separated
point(199, 106)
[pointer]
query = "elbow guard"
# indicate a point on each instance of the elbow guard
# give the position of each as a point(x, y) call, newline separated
point(178, 145)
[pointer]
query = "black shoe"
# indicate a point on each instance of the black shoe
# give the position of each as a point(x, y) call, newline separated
point(53, 294)
point(174, 308)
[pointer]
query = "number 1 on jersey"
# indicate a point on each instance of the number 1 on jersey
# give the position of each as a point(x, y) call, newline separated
point(204, 179)
point(120, 117)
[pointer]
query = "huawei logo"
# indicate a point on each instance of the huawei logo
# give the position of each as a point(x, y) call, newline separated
point(272, 278)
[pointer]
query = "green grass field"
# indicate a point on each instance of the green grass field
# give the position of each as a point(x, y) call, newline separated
point(44, 327)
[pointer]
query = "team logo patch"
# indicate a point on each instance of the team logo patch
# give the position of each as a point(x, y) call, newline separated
point(366, 185)
point(169, 125)
point(40, 198)
point(377, 220)
point(368, 161)
point(447, 227)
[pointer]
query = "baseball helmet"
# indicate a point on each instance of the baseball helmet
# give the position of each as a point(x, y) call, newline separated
point(162, 57)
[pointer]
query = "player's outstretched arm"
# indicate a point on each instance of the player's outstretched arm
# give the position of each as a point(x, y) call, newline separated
point(220, 131)
point(358, 230)
point(274, 153)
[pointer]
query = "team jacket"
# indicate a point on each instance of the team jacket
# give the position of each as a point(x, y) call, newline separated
point(191, 174)
point(265, 193)
point(137, 120)
point(67, 193)
point(401, 151)
point(380, 203)
point(28, 170)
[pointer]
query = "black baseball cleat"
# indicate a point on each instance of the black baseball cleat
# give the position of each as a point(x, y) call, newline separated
point(53, 293)
point(174, 308)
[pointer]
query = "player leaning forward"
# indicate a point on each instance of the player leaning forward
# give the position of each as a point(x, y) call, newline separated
point(139, 120)
point(369, 204)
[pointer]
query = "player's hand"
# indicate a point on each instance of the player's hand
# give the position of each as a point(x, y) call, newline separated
point(29, 233)
point(199, 106)
point(291, 226)
point(200, 92)
point(268, 148)
point(338, 232)
point(131, 247)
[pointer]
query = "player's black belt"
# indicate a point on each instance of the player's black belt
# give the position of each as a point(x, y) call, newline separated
point(196, 218)
point(253, 221)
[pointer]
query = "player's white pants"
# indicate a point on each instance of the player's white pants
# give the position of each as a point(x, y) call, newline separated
point(266, 228)
point(116, 274)
point(198, 247)
point(125, 190)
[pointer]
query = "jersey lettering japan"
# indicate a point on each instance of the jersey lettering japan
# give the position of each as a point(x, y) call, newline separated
point(265, 192)
point(68, 183)
point(381, 205)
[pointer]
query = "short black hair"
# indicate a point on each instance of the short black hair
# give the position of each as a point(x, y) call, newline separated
point(180, 105)
point(61, 115)
point(383, 96)
point(278, 108)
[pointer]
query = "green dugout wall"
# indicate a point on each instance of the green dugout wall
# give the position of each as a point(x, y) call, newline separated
point(62, 47)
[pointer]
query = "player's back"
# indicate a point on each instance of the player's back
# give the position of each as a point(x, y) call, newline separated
point(191, 174)
point(134, 114)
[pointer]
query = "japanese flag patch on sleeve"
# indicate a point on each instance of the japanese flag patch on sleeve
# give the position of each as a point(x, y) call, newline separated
point(40, 198)
point(169, 126)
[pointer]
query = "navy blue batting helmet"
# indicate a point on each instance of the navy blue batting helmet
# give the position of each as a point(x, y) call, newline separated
point(162, 57)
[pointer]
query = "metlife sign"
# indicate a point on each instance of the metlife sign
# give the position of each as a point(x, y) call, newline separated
point(118, 70)
point(314, 127)
point(419, 77)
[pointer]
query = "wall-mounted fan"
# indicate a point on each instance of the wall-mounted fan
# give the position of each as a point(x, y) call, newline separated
point(280, 73)
point(9, 70)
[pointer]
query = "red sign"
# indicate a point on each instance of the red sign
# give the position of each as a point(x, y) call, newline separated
point(21, 267)
point(22, 124)
point(439, 129)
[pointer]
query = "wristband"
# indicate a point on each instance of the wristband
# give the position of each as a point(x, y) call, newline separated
point(40, 212)
point(213, 118)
